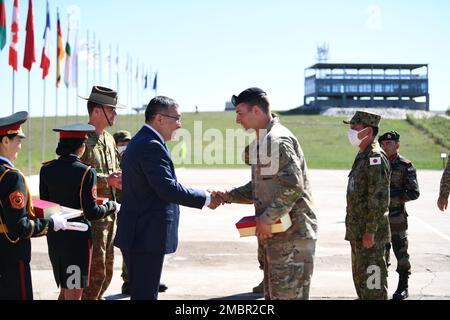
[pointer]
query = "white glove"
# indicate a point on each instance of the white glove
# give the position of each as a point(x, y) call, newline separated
point(59, 222)
point(117, 207)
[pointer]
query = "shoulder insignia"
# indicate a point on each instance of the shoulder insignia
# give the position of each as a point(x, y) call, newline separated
point(94, 191)
point(373, 161)
point(17, 200)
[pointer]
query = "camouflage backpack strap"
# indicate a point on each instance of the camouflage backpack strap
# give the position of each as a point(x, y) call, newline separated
point(3, 228)
point(81, 186)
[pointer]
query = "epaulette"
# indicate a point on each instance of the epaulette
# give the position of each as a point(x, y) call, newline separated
point(404, 160)
point(9, 167)
point(48, 162)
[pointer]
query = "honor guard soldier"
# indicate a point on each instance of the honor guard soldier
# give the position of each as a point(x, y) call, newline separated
point(102, 155)
point(366, 222)
point(17, 220)
point(71, 183)
point(403, 188)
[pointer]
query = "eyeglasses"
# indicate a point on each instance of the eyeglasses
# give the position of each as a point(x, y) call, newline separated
point(178, 118)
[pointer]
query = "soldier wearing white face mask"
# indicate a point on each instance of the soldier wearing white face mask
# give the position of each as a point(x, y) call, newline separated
point(367, 224)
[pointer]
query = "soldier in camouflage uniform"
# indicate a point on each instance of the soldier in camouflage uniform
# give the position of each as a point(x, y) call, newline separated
point(279, 186)
point(403, 188)
point(102, 155)
point(444, 190)
point(18, 222)
point(367, 224)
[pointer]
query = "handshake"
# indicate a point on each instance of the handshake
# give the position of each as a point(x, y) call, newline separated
point(218, 198)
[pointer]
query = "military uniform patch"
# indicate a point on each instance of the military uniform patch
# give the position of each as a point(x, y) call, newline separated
point(94, 192)
point(16, 199)
point(373, 161)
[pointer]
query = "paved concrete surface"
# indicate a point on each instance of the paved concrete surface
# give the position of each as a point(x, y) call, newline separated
point(212, 262)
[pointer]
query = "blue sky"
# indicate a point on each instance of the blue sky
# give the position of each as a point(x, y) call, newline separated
point(205, 51)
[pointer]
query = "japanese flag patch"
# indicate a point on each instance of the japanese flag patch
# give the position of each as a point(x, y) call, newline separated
point(374, 161)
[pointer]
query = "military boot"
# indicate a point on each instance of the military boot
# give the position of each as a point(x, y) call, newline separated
point(402, 290)
point(259, 288)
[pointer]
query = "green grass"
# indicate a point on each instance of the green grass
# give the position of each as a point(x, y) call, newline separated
point(323, 139)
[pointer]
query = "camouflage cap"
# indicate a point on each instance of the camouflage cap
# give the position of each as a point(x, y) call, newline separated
point(122, 135)
point(366, 118)
point(390, 135)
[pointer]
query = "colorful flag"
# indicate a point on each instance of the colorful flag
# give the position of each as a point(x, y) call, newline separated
point(155, 81)
point(45, 57)
point(2, 25)
point(29, 57)
point(146, 80)
point(68, 57)
point(14, 36)
point(74, 73)
point(59, 51)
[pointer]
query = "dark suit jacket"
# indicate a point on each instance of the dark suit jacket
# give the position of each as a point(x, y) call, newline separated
point(149, 216)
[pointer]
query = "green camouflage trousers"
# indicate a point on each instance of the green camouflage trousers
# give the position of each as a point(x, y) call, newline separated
point(399, 230)
point(288, 268)
point(102, 258)
point(369, 271)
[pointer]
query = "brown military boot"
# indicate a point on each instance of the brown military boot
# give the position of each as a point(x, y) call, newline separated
point(402, 290)
point(259, 288)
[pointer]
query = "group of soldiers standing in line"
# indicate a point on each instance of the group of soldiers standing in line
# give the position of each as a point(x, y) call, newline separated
point(380, 182)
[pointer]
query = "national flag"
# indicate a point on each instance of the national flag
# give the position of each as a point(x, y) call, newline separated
point(29, 57)
point(45, 57)
point(155, 81)
point(59, 51)
point(68, 57)
point(13, 46)
point(2, 25)
point(74, 72)
point(145, 81)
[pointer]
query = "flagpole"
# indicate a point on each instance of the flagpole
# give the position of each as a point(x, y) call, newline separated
point(95, 64)
point(29, 127)
point(43, 125)
point(87, 63)
point(13, 89)
point(67, 105)
point(110, 63)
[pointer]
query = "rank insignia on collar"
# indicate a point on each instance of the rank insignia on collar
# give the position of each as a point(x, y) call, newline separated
point(17, 200)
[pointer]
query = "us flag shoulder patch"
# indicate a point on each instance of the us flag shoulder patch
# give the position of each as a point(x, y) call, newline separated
point(375, 161)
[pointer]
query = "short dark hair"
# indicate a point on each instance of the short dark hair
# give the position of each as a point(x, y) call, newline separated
point(159, 104)
point(262, 102)
point(91, 105)
point(68, 146)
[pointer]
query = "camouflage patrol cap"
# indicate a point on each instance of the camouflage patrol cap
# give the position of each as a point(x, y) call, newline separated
point(365, 118)
point(122, 135)
point(390, 135)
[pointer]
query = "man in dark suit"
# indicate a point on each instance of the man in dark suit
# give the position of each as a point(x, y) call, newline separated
point(147, 225)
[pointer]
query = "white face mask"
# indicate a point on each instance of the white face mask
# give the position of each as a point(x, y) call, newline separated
point(121, 149)
point(353, 137)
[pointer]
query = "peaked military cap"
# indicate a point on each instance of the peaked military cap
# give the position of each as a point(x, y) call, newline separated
point(74, 131)
point(105, 97)
point(122, 135)
point(13, 124)
point(366, 118)
point(247, 95)
point(390, 135)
